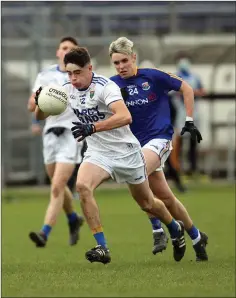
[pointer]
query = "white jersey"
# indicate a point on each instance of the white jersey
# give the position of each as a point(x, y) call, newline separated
point(92, 105)
point(53, 75)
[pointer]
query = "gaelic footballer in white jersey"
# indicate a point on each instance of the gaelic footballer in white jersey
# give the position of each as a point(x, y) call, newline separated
point(117, 151)
point(60, 152)
point(92, 105)
point(69, 151)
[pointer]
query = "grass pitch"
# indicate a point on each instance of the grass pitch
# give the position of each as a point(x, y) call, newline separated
point(62, 271)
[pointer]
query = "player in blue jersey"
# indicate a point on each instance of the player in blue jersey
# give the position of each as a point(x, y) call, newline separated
point(145, 92)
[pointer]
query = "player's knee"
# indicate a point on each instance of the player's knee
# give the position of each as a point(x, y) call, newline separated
point(56, 189)
point(168, 200)
point(58, 185)
point(146, 205)
point(83, 188)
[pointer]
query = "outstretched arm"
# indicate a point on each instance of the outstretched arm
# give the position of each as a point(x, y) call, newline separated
point(188, 96)
point(172, 82)
point(189, 126)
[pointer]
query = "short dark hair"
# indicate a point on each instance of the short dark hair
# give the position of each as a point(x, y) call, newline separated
point(79, 56)
point(71, 39)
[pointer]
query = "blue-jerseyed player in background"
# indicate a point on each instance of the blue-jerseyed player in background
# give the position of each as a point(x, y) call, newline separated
point(145, 92)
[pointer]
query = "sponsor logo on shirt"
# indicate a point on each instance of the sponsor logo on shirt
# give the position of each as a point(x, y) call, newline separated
point(137, 102)
point(145, 86)
point(152, 96)
point(141, 101)
point(89, 115)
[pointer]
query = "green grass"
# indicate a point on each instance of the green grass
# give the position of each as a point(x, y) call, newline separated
point(62, 271)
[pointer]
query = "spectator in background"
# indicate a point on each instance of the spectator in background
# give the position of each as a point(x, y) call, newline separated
point(184, 71)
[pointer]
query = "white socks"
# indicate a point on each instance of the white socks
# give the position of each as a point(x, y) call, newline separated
point(158, 231)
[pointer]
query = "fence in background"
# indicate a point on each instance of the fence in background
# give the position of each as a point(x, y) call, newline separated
point(30, 36)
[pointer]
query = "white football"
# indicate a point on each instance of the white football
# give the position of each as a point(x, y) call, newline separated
point(53, 99)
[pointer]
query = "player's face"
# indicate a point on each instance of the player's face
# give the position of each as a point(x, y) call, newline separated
point(125, 64)
point(80, 77)
point(64, 48)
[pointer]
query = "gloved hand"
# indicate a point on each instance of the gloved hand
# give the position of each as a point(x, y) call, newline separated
point(37, 95)
point(192, 129)
point(80, 131)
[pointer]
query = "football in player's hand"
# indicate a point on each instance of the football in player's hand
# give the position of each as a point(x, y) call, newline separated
point(53, 99)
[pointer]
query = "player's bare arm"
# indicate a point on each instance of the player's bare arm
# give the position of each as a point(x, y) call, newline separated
point(40, 115)
point(35, 126)
point(31, 103)
point(189, 126)
point(121, 116)
point(188, 96)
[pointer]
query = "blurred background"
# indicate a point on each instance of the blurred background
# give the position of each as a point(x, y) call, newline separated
point(204, 30)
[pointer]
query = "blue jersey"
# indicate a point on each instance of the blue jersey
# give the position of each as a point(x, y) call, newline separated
point(148, 102)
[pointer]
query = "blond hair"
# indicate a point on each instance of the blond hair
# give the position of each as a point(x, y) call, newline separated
point(122, 45)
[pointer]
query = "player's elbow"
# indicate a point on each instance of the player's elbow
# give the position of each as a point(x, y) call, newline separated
point(128, 119)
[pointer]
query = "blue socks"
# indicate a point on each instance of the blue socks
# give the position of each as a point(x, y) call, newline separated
point(156, 223)
point(173, 228)
point(46, 230)
point(194, 234)
point(100, 238)
point(72, 217)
